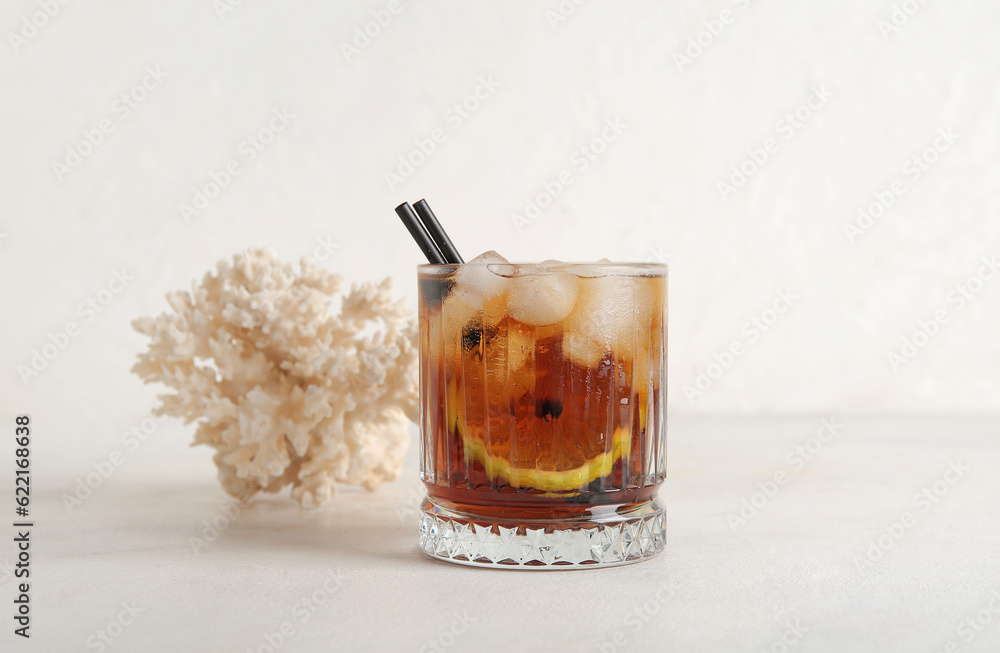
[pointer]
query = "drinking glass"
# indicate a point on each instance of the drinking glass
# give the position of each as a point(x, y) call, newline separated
point(542, 413)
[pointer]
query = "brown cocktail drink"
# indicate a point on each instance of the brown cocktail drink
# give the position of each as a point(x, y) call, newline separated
point(543, 398)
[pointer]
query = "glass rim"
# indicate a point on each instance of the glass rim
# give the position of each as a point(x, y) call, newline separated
point(608, 268)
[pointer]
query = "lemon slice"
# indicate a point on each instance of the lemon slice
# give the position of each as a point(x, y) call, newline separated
point(549, 480)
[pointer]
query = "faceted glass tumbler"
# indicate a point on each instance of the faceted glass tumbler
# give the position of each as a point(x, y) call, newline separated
point(542, 413)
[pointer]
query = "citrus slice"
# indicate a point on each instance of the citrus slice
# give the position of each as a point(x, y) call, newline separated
point(539, 478)
point(549, 480)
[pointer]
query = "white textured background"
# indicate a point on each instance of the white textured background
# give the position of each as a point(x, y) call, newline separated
point(653, 194)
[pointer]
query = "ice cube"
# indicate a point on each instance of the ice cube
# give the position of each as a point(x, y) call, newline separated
point(474, 281)
point(542, 298)
point(506, 270)
point(596, 269)
point(477, 301)
point(459, 316)
point(521, 364)
point(613, 311)
point(520, 345)
point(582, 350)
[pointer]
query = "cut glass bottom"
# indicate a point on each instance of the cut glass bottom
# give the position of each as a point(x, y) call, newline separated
point(628, 536)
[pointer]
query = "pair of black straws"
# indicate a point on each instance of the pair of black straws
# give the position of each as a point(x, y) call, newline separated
point(428, 233)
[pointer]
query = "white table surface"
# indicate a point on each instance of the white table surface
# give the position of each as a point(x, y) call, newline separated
point(798, 569)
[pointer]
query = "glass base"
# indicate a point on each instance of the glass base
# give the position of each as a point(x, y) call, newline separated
point(578, 543)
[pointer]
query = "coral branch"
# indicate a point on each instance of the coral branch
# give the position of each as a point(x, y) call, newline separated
point(287, 393)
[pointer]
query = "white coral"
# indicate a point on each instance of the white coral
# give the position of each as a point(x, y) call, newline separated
point(286, 392)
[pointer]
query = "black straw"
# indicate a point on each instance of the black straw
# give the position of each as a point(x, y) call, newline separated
point(437, 232)
point(419, 233)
